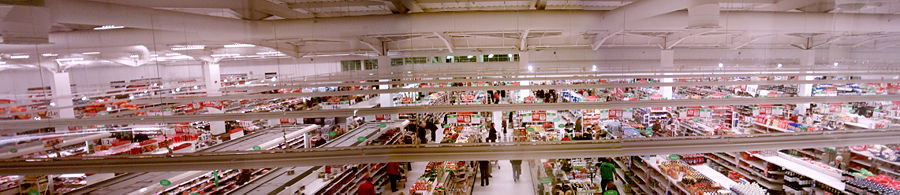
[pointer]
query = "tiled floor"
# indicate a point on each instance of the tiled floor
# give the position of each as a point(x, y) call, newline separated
point(502, 181)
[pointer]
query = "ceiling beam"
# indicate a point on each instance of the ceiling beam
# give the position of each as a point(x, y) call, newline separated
point(787, 5)
point(450, 152)
point(670, 41)
point(277, 9)
point(374, 44)
point(601, 38)
point(446, 39)
point(745, 40)
point(412, 5)
point(396, 6)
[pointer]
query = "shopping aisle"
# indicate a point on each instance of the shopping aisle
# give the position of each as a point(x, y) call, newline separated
point(418, 169)
point(502, 181)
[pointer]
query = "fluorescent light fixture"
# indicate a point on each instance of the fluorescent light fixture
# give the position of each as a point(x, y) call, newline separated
point(173, 54)
point(108, 27)
point(270, 53)
point(225, 55)
point(19, 57)
point(130, 97)
point(2, 62)
point(530, 68)
point(134, 56)
point(835, 64)
point(370, 74)
point(779, 65)
point(83, 98)
point(490, 55)
point(238, 45)
point(49, 54)
point(69, 59)
point(470, 56)
point(594, 68)
point(188, 47)
point(274, 78)
point(721, 65)
point(52, 103)
point(177, 89)
point(408, 72)
point(196, 87)
point(91, 53)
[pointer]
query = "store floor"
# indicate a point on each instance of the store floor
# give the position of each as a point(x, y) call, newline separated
point(502, 181)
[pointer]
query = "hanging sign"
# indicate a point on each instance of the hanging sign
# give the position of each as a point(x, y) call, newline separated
point(165, 182)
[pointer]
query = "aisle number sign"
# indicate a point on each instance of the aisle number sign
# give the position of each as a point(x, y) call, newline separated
point(682, 113)
point(33, 192)
point(604, 114)
point(382, 125)
point(257, 148)
point(361, 139)
point(332, 134)
point(674, 157)
point(777, 110)
point(705, 112)
point(13, 150)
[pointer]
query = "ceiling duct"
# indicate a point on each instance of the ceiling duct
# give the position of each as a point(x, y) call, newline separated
point(703, 14)
point(25, 24)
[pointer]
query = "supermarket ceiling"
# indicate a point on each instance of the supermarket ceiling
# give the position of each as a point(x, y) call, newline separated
point(136, 32)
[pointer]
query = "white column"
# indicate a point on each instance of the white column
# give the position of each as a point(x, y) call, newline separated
point(666, 61)
point(807, 60)
point(62, 97)
point(497, 118)
point(306, 140)
point(524, 60)
point(211, 77)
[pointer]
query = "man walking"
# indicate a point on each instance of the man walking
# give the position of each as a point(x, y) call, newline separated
point(517, 169)
point(485, 168)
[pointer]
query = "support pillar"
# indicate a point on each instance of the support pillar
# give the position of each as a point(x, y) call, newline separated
point(211, 77)
point(807, 60)
point(524, 60)
point(62, 97)
point(306, 140)
point(666, 61)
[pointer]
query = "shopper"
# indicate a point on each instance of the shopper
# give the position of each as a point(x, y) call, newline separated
point(517, 169)
point(420, 132)
point(366, 188)
point(607, 171)
point(433, 128)
point(566, 138)
point(485, 168)
point(492, 134)
point(393, 173)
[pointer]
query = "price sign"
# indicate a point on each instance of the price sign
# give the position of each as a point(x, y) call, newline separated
point(33, 192)
point(546, 180)
point(628, 113)
point(755, 111)
point(674, 157)
point(705, 113)
point(604, 114)
point(682, 113)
